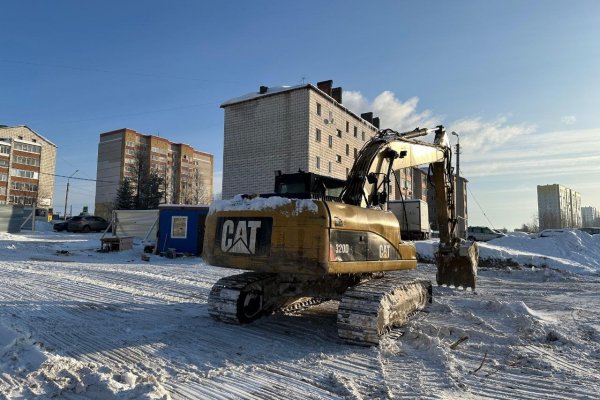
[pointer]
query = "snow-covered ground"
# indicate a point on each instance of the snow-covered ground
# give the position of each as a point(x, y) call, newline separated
point(78, 324)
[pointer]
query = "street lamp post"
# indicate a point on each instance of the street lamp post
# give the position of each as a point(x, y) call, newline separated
point(67, 194)
point(459, 194)
point(457, 153)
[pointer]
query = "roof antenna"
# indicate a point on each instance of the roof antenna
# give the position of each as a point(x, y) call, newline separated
point(303, 79)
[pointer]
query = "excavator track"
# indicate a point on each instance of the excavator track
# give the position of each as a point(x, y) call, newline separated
point(238, 299)
point(370, 309)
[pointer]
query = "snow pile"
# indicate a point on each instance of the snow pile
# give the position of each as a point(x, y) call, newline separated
point(241, 203)
point(18, 352)
point(49, 375)
point(570, 251)
point(61, 375)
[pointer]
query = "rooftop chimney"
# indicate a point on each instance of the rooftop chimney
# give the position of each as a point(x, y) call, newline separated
point(368, 116)
point(376, 122)
point(325, 86)
point(336, 93)
point(263, 89)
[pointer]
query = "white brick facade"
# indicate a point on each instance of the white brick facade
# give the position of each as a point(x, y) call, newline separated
point(278, 131)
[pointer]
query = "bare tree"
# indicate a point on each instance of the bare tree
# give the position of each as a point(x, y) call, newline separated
point(193, 189)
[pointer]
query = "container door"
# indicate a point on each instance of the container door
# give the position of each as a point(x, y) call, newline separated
point(201, 225)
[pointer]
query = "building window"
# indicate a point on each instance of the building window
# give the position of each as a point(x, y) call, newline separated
point(329, 167)
point(5, 149)
point(355, 153)
point(318, 162)
point(347, 172)
point(355, 131)
point(3, 177)
point(363, 136)
point(330, 141)
point(32, 148)
point(26, 160)
point(3, 163)
point(318, 135)
point(338, 158)
point(318, 109)
point(24, 174)
point(347, 149)
point(27, 187)
point(347, 126)
point(339, 133)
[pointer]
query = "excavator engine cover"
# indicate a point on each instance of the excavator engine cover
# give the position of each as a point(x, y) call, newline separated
point(457, 264)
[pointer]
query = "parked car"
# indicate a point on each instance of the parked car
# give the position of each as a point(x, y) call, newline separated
point(591, 230)
point(482, 233)
point(61, 226)
point(87, 223)
point(551, 232)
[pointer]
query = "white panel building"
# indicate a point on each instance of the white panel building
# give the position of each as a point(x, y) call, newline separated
point(287, 129)
point(558, 207)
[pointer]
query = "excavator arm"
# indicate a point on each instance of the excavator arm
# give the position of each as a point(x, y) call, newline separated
point(369, 185)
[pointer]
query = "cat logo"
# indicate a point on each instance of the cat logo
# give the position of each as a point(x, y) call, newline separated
point(239, 236)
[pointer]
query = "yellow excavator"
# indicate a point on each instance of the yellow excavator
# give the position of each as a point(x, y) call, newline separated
point(302, 248)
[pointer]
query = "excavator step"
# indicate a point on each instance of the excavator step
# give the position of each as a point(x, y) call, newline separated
point(370, 309)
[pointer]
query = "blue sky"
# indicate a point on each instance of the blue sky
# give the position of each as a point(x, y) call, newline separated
point(517, 79)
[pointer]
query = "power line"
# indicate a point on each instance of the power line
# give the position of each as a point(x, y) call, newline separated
point(81, 179)
point(481, 208)
point(94, 69)
point(133, 114)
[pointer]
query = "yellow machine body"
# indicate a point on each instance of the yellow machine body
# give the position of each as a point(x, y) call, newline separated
point(308, 237)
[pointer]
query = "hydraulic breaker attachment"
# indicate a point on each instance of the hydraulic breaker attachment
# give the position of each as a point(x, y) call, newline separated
point(457, 264)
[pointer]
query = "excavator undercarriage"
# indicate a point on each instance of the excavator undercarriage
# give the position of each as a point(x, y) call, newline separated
point(370, 304)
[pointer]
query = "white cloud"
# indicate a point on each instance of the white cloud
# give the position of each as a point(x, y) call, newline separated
point(568, 119)
point(394, 113)
point(479, 136)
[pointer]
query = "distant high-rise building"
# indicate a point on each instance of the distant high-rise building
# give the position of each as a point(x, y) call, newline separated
point(187, 173)
point(27, 167)
point(590, 217)
point(558, 207)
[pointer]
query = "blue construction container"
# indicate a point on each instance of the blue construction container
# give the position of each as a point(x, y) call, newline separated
point(181, 228)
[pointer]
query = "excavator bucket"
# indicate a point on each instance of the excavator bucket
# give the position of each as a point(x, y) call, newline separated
point(457, 265)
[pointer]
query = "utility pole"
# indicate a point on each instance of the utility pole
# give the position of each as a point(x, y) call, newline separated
point(459, 193)
point(67, 194)
point(457, 154)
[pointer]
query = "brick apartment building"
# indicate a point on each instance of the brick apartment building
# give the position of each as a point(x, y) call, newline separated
point(27, 167)
point(287, 129)
point(187, 173)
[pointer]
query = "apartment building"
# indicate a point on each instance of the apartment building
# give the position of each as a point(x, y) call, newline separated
point(287, 129)
point(558, 207)
point(187, 173)
point(27, 167)
point(590, 217)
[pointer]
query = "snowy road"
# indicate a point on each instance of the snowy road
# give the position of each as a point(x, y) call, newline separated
point(93, 325)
